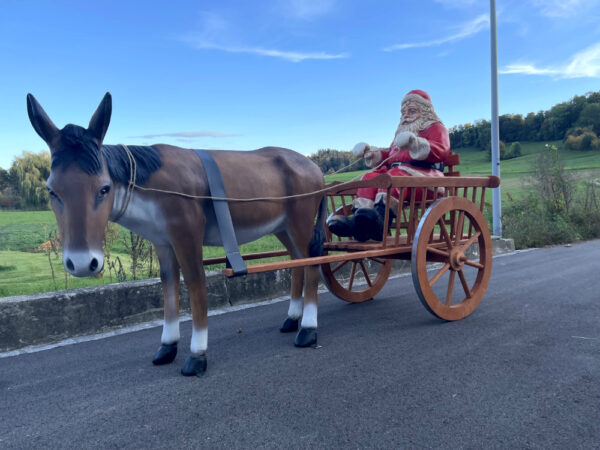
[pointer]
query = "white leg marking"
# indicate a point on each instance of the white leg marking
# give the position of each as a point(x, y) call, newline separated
point(295, 309)
point(170, 333)
point(199, 341)
point(309, 318)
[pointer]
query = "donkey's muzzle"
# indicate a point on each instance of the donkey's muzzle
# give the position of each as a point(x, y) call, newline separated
point(83, 263)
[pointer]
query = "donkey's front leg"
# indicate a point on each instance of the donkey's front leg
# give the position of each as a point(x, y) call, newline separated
point(189, 255)
point(307, 335)
point(169, 276)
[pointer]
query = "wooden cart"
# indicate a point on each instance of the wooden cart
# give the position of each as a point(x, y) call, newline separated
point(446, 239)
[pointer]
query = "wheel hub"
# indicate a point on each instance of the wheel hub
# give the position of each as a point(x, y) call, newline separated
point(457, 258)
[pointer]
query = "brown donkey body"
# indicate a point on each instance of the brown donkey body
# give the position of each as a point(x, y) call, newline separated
point(88, 187)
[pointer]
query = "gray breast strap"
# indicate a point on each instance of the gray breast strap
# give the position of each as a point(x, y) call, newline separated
point(217, 189)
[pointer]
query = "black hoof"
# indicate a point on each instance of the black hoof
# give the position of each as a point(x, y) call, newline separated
point(194, 365)
point(289, 325)
point(306, 337)
point(165, 354)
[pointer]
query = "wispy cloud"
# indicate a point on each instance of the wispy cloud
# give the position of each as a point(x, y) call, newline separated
point(464, 31)
point(583, 64)
point(292, 56)
point(217, 34)
point(187, 135)
point(563, 8)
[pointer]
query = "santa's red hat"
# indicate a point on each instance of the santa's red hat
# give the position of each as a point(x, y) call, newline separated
point(418, 96)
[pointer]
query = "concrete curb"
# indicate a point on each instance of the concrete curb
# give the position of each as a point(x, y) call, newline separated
point(55, 316)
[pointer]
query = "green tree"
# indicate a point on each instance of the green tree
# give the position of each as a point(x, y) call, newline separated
point(29, 172)
point(590, 116)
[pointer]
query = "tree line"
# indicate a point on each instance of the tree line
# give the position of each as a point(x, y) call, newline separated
point(576, 122)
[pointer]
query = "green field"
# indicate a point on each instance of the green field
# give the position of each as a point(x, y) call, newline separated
point(26, 270)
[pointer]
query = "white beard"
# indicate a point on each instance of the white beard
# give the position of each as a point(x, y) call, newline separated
point(414, 127)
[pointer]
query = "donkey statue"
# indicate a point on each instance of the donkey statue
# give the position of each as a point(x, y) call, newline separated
point(138, 187)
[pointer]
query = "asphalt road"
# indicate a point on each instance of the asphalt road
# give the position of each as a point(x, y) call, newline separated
point(523, 371)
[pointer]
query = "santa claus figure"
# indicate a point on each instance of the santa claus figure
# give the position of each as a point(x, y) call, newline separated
point(420, 147)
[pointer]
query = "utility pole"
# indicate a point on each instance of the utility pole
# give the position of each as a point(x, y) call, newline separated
point(496, 198)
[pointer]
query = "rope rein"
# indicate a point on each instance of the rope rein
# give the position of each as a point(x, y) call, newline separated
point(131, 186)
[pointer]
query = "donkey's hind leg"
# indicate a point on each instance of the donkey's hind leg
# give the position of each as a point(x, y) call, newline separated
point(296, 302)
point(169, 276)
point(294, 240)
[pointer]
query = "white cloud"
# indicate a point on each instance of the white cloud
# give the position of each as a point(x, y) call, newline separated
point(583, 64)
point(464, 31)
point(563, 8)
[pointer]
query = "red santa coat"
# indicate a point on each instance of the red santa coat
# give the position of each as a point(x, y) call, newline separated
point(435, 136)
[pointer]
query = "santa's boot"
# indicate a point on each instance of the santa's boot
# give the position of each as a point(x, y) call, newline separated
point(370, 221)
point(345, 226)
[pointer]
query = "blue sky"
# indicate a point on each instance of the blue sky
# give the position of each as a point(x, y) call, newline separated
point(301, 74)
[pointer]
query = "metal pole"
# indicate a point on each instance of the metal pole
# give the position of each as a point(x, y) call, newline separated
point(496, 199)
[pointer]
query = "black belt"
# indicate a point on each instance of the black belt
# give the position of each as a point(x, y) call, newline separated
point(423, 164)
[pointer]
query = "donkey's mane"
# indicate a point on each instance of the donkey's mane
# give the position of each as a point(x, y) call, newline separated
point(79, 146)
point(147, 161)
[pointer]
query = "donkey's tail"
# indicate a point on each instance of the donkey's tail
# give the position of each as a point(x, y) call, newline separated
point(315, 247)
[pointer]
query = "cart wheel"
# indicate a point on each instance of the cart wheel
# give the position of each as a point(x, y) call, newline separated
point(356, 280)
point(446, 234)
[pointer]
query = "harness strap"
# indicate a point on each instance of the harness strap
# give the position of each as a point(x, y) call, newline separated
point(217, 189)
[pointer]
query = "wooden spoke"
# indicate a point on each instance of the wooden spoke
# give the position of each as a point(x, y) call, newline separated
point(464, 283)
point(450, 288)
point(450, 306)
point(437, 251)
point(471, 241)
point(468, 262)
point(439, 275)
point(459, 228)
point(352, 273)
point(366, 273)
point(378, 260)
point(339, 266)
point(444, 232)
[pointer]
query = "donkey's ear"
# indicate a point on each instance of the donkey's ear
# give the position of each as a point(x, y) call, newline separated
point(101, 118)
point(40, 120)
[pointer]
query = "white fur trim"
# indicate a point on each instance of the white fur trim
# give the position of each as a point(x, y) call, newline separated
point(361, 202)
point(403, 138)
point(373, 158)
point(360, 149)
point(416, 98)
point(419, 149)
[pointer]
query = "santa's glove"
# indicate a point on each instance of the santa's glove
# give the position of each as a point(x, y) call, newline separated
point(404, 139)
point(360, 149)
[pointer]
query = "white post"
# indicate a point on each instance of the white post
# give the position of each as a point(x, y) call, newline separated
point(496, 198)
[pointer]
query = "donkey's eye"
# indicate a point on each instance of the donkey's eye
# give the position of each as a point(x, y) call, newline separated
point(104, 191)
point(51, 193)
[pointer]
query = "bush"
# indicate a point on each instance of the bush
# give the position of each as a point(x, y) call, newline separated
point(556, 212)
point(582, 138)
point(515, 150)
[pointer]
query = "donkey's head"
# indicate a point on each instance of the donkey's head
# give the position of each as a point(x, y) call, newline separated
point(79, 185)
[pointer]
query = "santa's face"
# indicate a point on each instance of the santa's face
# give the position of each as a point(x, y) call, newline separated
point(410, 113)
